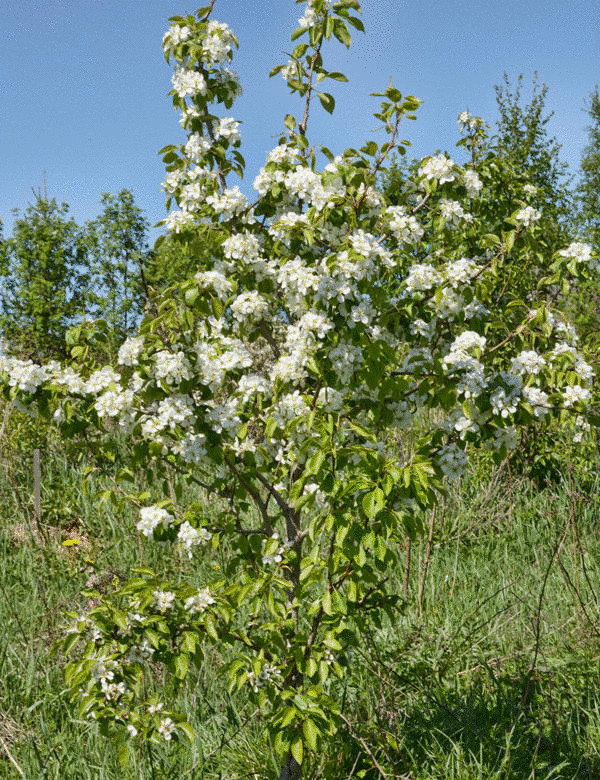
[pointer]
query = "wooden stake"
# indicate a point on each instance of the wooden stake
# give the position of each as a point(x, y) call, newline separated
point(37, 486)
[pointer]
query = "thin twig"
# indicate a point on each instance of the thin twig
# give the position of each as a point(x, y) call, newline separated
point(302, 126)
point(268, 336)
point(407, 567)
point(208, 11)
point(11, 758)
point(262, 507)
point(428, 550)
point(538, 619)
point(7, 411)
point(575, 590)
point(222, 745)
point(365, 746)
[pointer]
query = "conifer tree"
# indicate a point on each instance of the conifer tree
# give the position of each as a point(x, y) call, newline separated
point(585, 299)
point(118, 250)
point(41, 280)
point(588, 191)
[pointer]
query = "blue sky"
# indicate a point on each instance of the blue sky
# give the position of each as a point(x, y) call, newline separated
point(84, 84)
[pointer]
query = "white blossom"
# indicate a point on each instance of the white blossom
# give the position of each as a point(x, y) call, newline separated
point(452, 461)
point(166, 729)
point(404, 226)
point(249, 306)
point(197, 146)
point(130, 351)
point(527, 216)
point(175, 34)
point(528, 362)
point(229, 203)
point(453, 212)
point(151, 517)
point(113, 404)
point(228, 129)
point(177, 221)
point(538, 399)
point(164, 600)
point(173, 367)
point(581, 253)
point(461, 271)
point(506, 437)
point(473, 183)
point(190, 537)
point(422, 277)
point(188, 83)
point(214, 280)
point(439, 168)
point(575, 395)
point(199, 601)
point(101, 380)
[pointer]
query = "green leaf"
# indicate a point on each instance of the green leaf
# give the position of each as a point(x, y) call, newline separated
point(351, 591)
point(306, 571)
point(393, 94)
point(337, 76)
point(191, 295)
point(187, 729)
point(315, 462)
point(298, 749)
point(356, 23)
point(327, 101)
point(491, 238)
point(124, 755)
point(370, 148)
point(152, 637)
point(181, 664)
point(323, 670)
point(298, 32)
point(362, 431)
point(300, 51)
point(373, 502)
point(71, 640)
point(341, 32)
point(209, 625)
point(288, 716)
point(311, 734)
point(326, 604)
point(361, 557)
point(510, 240)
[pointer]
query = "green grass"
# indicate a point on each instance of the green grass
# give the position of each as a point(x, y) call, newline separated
point(495, 676)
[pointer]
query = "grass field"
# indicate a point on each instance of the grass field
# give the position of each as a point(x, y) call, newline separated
point(489, 671)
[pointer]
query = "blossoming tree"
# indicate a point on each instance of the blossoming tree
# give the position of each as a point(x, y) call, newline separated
point(284, 379)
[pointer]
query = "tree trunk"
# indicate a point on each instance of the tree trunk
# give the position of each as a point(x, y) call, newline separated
point(290, 768)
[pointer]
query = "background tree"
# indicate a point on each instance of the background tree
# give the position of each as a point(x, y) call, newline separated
point(176, 258)
point(588, 189)
point(520, 155)
point(520, 169)
point(41, 280)
point(585, 299)
point(118, 250)
point(522, 139)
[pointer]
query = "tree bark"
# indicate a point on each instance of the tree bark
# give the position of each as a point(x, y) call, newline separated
point(290, 768)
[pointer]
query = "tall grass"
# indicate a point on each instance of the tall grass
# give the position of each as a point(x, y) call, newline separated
point(489, 670)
